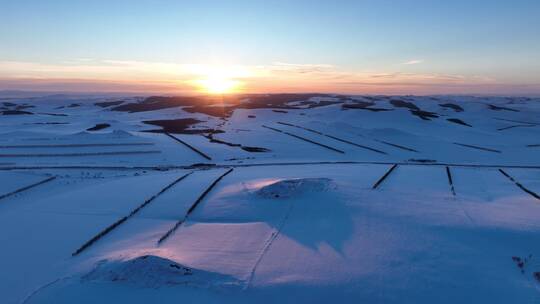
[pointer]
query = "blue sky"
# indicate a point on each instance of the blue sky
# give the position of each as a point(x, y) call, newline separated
point(494, 43)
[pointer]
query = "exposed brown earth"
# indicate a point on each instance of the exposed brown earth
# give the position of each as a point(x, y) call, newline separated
point(98, 127)
point(453, 106)
point(178, 126)
point(224, 106)
point(458, 121)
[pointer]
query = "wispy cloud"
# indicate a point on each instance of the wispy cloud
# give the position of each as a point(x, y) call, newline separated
point(303, 65)
point(296, 68)
point(414, 61)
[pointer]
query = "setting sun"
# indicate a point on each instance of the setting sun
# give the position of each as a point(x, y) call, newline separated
point(218, 85)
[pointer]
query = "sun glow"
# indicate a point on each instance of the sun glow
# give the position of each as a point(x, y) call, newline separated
point(219, 79)
point(219, 85)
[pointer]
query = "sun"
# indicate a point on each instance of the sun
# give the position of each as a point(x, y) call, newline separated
point(219, 79)
point(218, 85)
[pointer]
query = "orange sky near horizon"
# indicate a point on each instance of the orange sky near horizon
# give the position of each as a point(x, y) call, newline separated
point(86, 75)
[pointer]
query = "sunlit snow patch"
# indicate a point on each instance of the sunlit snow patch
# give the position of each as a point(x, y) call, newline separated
point(152, 271)
point(294, 187)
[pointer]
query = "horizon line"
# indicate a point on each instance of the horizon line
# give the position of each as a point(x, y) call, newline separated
point(47, 93)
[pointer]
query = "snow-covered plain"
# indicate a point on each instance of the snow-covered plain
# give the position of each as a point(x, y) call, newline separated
point(347, 199)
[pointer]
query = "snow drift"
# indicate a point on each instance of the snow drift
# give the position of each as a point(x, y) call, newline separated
point(152, 271)
point(295, 187)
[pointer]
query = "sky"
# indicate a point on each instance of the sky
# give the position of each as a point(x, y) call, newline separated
point(340, 46)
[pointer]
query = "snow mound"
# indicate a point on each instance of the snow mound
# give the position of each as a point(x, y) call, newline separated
point(152, 271)
point(113, 134)
point(294, 187)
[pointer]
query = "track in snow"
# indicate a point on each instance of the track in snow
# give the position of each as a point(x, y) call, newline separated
point(206, 166)
point(379, 182)
point(79, 154)
point(532, 193)
point(397, 146)
point(76, 145)
point(27, 187)
point(515, 126)
point(193, 206)
point(334, 137)
point(188, 145)
point(110, 228)
point(478, 148)
point(450, 180)
point(304, 139)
